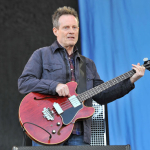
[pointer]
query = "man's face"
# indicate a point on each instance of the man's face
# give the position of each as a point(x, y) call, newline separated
point(67, 33)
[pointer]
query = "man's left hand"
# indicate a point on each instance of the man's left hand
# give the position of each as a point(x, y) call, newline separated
point(140, 70)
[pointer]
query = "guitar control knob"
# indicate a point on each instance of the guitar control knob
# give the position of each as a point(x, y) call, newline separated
point(53, 131)
point(58, 123)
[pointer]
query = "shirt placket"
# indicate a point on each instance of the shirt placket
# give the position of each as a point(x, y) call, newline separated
point(72, 68)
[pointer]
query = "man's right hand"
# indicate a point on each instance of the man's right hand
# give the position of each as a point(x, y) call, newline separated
point(62, 90)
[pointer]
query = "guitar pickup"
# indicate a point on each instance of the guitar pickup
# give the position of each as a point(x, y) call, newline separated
point(57, 108)
point(74, 101)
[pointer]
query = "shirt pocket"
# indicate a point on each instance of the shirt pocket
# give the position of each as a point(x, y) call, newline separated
point(89, 80)
point(52, 71)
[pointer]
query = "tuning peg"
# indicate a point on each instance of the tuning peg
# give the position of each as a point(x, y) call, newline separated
point(145, 59)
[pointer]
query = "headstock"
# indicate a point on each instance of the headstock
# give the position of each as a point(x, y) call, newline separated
point(146, 63)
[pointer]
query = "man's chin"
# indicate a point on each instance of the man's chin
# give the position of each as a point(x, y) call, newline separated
point(71, 43)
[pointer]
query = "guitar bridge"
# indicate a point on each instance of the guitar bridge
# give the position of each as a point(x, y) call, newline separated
point(48, 114)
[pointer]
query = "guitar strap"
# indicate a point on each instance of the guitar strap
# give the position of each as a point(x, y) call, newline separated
point(82, 76)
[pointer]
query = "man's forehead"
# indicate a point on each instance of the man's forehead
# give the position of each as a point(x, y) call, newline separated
point(67, 19)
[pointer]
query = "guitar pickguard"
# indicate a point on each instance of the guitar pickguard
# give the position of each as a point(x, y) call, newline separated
point(69, 114)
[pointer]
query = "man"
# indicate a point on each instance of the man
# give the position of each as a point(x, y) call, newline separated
point(50, 68)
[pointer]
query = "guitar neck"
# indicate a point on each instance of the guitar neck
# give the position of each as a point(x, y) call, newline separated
point(98, 89)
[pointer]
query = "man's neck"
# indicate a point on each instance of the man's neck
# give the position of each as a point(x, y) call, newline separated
point(69, 49)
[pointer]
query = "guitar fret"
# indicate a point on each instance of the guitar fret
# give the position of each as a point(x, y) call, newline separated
point(107, 84)
point(85, 96)
point(115, 81)
point(112, 83)
point(91, 94)
point(94, 91)
point(128, 73)
point(119, 79)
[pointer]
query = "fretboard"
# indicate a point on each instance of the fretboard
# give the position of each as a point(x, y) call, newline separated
point(98, 89)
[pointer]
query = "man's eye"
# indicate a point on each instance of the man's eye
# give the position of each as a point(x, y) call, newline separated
point(75, 28)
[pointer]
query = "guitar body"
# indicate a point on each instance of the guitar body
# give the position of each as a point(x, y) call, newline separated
point(59, 127)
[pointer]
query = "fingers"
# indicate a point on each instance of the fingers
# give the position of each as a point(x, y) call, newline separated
point(62, 90)
point(139, 69)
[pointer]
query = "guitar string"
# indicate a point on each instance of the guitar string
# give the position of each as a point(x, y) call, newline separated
point(106, 85)
point(66, 105)
point(85, 95)
point(95, 90)
point(91, 92)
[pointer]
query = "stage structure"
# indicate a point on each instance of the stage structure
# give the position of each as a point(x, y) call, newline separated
point(98, 127)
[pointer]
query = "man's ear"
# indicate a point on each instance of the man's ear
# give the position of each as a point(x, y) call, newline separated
point(55, 31)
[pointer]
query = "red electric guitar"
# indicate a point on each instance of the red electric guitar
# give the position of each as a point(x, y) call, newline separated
point(49, 120)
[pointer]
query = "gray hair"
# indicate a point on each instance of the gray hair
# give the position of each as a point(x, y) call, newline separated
point(63, 11)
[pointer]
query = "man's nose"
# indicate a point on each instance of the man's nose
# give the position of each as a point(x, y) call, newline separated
point(71, 30)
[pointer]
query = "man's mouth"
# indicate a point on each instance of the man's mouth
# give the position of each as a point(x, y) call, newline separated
point(71, 37)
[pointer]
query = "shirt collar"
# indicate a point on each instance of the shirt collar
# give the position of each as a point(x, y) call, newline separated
point(55, 46)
